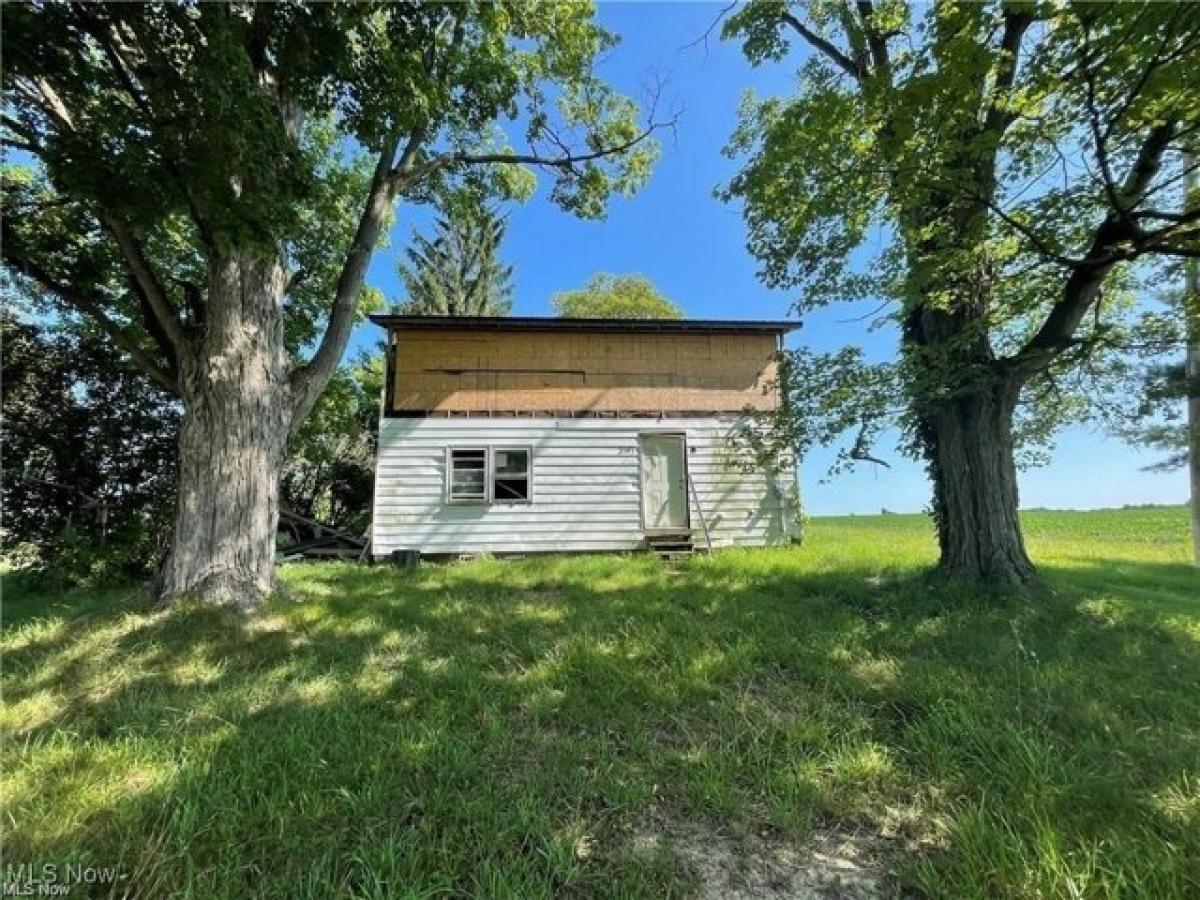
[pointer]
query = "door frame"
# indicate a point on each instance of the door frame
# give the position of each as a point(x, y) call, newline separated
point(687, 503)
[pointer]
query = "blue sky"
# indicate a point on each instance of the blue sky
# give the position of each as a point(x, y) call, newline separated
point(692, 247)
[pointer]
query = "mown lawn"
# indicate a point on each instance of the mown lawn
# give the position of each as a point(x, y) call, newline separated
point(596, 725)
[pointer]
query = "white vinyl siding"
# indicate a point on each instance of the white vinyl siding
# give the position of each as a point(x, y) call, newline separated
point(583, 483)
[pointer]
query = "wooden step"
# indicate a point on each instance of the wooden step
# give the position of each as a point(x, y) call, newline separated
point(670, 545)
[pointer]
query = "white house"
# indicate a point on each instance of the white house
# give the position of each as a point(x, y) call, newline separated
point(523, 435)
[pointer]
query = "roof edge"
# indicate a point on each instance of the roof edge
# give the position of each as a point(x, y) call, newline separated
point(552, 323)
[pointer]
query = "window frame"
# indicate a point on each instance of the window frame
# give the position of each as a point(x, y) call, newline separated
point(493, 474)
point(489, 475)
point(472, 500)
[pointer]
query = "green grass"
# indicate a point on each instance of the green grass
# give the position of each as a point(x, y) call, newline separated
point(518, 728)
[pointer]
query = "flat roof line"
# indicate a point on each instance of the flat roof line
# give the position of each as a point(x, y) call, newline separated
point(548, 323)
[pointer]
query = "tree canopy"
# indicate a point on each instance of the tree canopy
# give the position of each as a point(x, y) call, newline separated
point(210, 182)
point(164, 134)
point(1013, 161)
point(616, 297)
point(1060, 132)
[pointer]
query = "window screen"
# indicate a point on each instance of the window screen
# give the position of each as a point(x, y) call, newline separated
point(510, 475)
point(468, 474)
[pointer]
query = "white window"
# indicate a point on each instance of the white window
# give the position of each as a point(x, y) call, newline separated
point(467, 481)
point(488, 475)
point(510, 475)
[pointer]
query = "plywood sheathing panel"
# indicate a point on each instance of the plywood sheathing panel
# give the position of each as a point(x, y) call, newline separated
point(543, 371)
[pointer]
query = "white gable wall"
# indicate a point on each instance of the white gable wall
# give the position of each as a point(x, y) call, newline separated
point(585, 486)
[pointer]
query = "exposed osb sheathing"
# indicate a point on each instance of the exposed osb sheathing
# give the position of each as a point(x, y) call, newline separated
point(583, 373)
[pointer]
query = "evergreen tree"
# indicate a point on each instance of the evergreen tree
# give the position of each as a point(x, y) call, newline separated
point(458, 272)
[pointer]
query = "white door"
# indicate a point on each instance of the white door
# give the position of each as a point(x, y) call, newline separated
point(664, 486)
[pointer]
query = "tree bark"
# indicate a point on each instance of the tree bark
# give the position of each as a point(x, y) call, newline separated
point(964, 404)
point(242, 399)
point(1192, 373)
point(234, 383)
point(1191, 369)
point(969, 442)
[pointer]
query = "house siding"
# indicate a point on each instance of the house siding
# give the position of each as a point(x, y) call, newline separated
point(585, 489)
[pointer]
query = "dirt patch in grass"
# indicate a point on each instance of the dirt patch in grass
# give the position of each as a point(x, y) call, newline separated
point(747, 866)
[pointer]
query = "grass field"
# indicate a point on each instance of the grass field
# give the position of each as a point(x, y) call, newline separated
point(762, 721)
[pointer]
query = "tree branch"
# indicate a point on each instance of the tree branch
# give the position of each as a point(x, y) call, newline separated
point(53, 105)
point(1162, 56)
point(703, 39)
point(1179, 218)
point(1108, 247)
point(861, 449)
point(1039, 244)
point(1016, 23)
point(564, 161)
point(123, 68)
point(1099, 135)
point(140, 269)
point(150, 323)
point(401, 174)
point(30, 144)
point(840, 59)
point(876, 41)
point(310, 379)
point(32, 149)
point(72, 296)
point(135, 259)
point(1191, 251)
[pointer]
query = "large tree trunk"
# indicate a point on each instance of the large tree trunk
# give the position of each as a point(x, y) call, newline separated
point(237, 411)
point(970, 444)
point(964, 405)
point(1192, 373)
point(1191, 369)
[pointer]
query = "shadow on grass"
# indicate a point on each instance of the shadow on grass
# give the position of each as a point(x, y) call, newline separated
point(507, 729)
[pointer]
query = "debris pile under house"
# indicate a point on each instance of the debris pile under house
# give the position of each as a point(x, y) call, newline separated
point(310, 539)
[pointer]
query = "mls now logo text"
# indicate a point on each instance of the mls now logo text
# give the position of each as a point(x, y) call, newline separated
point(53, 880)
